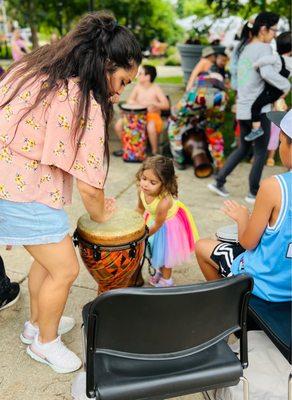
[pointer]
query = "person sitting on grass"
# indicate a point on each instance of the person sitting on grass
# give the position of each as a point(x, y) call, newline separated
point(265, 249)
point(149, 95)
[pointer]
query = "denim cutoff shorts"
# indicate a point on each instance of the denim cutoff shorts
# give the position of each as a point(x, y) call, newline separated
point(31, 223)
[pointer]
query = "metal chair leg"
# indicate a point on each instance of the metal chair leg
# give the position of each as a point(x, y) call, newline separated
point(290, 387)
point(206, 396)
point(245, 388)
point(84, 345)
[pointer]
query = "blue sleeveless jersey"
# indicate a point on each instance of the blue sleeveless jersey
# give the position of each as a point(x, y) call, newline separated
point(270, 263)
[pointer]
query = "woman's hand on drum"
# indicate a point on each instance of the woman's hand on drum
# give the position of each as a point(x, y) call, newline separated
point(109, 208)
point(235, 211)
point(110, 204)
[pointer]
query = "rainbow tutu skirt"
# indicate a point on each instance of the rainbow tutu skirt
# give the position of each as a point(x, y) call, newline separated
point(174, 242)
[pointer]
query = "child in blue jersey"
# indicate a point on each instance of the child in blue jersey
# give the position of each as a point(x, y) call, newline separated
point(265, 245)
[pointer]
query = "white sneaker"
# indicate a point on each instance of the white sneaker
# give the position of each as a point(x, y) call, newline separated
point(30, 331)
point(164, 282)
point(55, 354)
point(218, 189)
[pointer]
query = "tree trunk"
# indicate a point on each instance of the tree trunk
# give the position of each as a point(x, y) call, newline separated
point(33, 25)
point(34, 36)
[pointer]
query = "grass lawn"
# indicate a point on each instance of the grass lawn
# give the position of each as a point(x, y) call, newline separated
point(171, 80)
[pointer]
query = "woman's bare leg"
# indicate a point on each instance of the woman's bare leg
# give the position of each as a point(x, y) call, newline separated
point(36, 277)
point(60, 261)
point(166, 272)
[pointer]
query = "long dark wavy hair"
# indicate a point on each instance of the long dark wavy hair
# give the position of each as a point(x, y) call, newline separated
point(163, 168)
point(97, 46)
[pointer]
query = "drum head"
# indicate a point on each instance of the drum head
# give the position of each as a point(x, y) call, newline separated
point(124, 227)
point(228, 234)
point(132, 108)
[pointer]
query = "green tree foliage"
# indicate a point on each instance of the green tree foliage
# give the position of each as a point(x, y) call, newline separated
point(56, 14)
point(232, 7)
point(184, 8)
point(148, 19)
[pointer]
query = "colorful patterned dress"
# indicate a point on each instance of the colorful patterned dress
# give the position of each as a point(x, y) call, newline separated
point(174, 242)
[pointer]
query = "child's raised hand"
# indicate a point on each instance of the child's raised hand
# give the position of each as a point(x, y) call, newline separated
point(235, 211)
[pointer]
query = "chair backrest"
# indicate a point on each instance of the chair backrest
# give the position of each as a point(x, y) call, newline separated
point(169, 322)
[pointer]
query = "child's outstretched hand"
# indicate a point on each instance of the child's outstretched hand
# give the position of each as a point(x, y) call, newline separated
point(9, 247)
point(236, 211)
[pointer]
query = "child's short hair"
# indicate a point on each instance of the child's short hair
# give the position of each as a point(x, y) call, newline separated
point(150, 70)
point(163, 168)
point(284, 43)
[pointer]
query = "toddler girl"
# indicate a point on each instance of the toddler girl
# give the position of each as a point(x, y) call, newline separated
point(172, 229)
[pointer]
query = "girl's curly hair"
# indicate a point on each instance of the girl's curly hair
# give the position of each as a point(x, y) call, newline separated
point(163, 168)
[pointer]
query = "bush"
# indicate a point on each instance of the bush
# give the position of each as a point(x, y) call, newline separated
point(173, 60)
point(5, 51)
point(171, 51)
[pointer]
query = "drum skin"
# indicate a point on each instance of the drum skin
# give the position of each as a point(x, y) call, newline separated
point(113, 251)
point(228, 234)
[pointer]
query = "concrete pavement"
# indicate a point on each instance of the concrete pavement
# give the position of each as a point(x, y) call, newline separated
point(24, 379)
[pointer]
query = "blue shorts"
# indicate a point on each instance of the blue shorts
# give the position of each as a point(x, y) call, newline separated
point(31, 223)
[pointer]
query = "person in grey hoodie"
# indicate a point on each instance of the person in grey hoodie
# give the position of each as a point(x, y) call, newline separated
point(251, 83)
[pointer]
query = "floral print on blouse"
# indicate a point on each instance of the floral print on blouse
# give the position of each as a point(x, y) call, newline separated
point(38, 156)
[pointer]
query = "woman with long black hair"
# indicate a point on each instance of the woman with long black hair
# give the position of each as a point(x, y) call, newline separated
point(56, 105)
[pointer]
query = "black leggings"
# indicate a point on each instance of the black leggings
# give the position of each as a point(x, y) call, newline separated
point(4, 280)
point(2, 269)
point(260, 152)
point(269, 95)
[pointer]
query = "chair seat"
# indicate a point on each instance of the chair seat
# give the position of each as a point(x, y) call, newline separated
point(131, 379)
point(275, 320)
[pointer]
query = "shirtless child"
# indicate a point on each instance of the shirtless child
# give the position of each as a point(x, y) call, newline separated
point(147, 94)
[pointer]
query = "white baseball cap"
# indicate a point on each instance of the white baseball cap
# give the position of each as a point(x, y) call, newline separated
point(283, 120)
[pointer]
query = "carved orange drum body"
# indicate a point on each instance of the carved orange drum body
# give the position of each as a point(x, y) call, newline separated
point(113, 251)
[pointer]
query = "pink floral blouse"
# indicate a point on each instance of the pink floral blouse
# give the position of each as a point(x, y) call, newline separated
point(38, 158)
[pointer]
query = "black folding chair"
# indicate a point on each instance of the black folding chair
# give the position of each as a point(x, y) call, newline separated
point(275, 320)
point(153, 343)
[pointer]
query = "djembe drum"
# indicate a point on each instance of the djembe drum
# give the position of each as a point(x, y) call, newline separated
point(134, 136)
point(113, 251)
point(228, 233)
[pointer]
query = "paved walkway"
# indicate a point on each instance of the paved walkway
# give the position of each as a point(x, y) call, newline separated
point(24, 379)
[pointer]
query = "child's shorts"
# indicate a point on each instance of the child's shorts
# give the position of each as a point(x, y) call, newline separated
point(31, 223)
point(156, 118)
point(224, 254)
